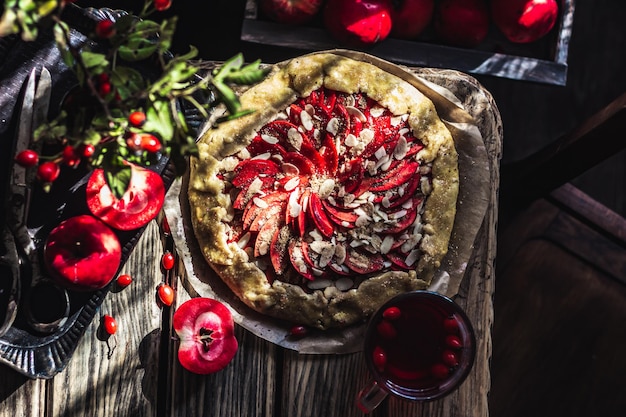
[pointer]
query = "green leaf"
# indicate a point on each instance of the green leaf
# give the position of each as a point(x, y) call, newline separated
point(127, 81)
point(234, 63)
point(247, 75)
point(137, 49)
point(227, 96)
point(60, 30)
point(167, 30)
point(118, 179)
point(94, 61)
point(159, 120)
point(234, 116)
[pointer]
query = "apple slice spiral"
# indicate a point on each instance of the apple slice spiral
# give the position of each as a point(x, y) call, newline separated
point(333, 187)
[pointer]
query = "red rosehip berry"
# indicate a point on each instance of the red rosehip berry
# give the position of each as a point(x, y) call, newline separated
point(451, 325)
point(454, 342)
point(379, 358)
point(298, 331)
point(165, 294)
point(71, 157)
point(167, 261)
point(105, 29)
point(88, 150)
point(392, 313)
point(162, 5)
point(27, 158)
point(137, 118)
point(143, 142)
point(386, 330)
point(150, 143)
point(124, 280)
point(105, 88)
point(450, 358)
point(109, 324)
point(165, 225)
point(48, 172)
point(103, 77)
point(440, 371)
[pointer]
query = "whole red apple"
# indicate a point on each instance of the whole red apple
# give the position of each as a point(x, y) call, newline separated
point(523, 21)
point(462, 22)
point(141, 202)
point(358, 23)
point(410, 17)
point(205, 328)
point(82, 253)
point(293, 12)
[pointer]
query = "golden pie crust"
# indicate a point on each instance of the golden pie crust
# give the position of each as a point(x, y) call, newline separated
point(212, 209)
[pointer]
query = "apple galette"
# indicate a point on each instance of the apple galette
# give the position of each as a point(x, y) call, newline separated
point(337, 193)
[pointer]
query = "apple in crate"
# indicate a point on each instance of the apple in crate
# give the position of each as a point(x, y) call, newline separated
point(82, 253)
point(524, 21)
point(462, 22)
point(358, 23)
point(294, 12)
point(410, 17)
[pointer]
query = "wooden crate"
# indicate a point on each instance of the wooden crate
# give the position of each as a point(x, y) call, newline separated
point(543, 61)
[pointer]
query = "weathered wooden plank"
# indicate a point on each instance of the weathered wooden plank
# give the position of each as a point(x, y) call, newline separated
point(21, 396)
point(118, 376)
point(321, 385)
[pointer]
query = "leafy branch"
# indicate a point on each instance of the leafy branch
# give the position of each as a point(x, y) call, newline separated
point(118, 114)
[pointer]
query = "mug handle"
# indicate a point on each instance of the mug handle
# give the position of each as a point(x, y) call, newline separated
point(370, 396)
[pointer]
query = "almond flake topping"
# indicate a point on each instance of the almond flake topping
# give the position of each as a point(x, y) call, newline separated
point(306, 120)
point(295, 138)
point(353, 111)
point(259, 203)
point(292, 184)
point(402, 147)
point(265, 156)
point(270, 139)
point(350, 140)
point(290, 169)
point(333, 126)
point(377, 111)
point(344, 284)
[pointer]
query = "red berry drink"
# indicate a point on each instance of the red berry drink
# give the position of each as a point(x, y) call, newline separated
point(419, 346)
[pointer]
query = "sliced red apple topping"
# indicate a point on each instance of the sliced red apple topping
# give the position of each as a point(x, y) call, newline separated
point(331, 188)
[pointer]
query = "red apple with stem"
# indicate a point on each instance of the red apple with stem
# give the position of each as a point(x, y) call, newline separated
point(294, 12)
point(205, 328)
point(358, 23)
point(82, 253)
point(411, 17)
point(141, 202)
point(462, 22)
point(524, 21)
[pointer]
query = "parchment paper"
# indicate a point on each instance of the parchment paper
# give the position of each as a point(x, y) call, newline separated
point(473, 200)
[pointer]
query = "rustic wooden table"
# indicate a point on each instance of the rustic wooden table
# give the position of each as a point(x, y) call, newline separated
point(137, 373)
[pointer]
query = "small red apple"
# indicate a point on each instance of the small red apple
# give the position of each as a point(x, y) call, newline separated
point(358, 22)
point(140, 204)
point(82, 253)
point(410, 18)
point(205, 328)
point(523, 21)
point(293, 12)
point(462, 22)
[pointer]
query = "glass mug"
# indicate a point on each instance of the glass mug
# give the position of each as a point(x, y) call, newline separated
point(419, 346)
